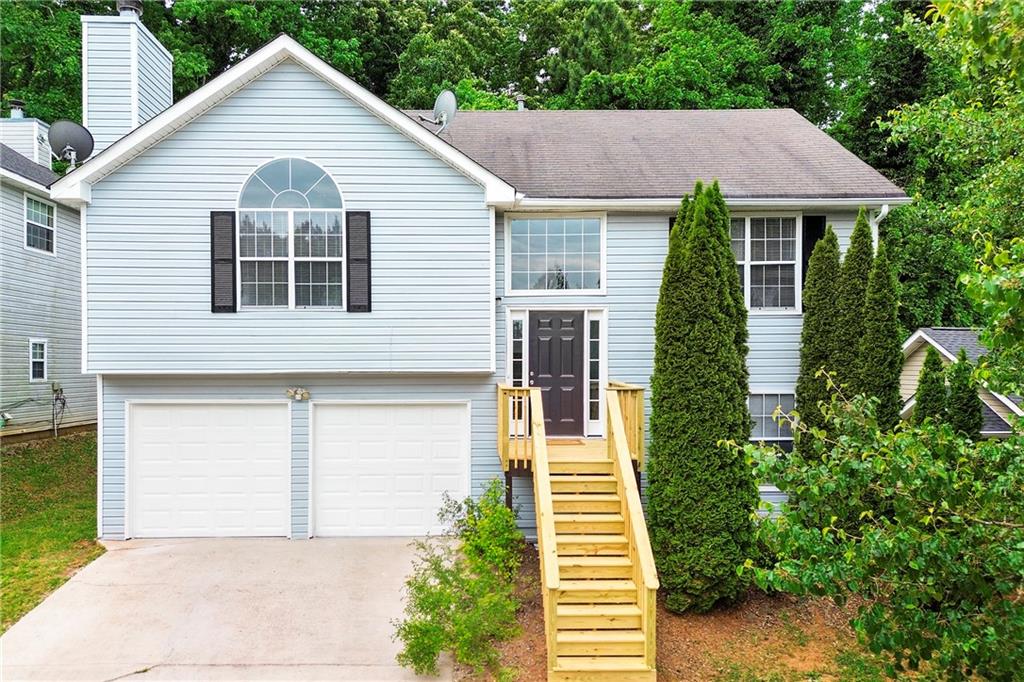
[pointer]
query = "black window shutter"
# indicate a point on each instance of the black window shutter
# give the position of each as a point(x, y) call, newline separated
point(222, 261)
point(357, 245)
point(814, 229)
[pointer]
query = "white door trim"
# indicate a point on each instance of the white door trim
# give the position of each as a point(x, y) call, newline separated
point(311, 465)
point(128, 404)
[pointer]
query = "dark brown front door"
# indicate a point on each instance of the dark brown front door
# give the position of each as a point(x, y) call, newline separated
point(556, 368)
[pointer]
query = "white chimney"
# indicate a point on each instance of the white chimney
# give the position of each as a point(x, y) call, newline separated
point(27, 136)
point(126, 74)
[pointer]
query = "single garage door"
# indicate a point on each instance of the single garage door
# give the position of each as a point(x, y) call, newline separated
point(381, 469)
point(208, 470)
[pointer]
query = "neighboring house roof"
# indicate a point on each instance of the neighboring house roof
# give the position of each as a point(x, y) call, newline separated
point(25, 167)
point(753, 153)
point(948, 341)
point(991, 425)
point(75, 186)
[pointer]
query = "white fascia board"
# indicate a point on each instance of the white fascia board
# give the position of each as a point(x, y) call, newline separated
point(497, 191)
point(22, 182)
point(525, 203)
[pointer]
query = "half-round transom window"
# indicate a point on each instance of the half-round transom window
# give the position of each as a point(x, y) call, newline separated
point(290, 183)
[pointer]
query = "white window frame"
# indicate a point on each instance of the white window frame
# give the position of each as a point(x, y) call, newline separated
point(600, 291)
point(774, 391)
point(798, 263)
point(591, 429)
point(292, 258)
point(291, 245)
point(46, 361)
point(25, 221)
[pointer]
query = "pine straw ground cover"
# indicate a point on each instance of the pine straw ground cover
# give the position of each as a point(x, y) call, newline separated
point(774, 638)
point(47, 519)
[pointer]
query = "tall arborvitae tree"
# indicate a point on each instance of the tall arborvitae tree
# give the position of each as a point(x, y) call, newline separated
point(701, 494)
point(720, 211)
point(930, 398)
point(819, 338)
point(881, 353)
point(965, 409)
point(853, 285)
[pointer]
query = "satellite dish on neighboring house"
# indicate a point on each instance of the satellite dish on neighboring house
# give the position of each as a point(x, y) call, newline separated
point(70, 142)
point(445, 107)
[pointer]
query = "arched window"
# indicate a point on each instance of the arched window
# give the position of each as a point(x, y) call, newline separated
point(291, 237)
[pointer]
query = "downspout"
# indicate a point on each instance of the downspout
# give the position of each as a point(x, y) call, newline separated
point(876, 221)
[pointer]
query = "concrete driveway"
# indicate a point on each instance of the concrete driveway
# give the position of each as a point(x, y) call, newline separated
point(241, 609)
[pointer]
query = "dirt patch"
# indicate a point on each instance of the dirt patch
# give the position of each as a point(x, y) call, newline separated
point(775, 637)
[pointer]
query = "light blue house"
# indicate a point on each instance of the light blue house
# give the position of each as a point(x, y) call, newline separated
point(42, 386)
point(299, 300)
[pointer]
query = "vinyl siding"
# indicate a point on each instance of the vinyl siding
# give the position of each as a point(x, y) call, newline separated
point(22, 135)
point(155, 77)
point(107, 105)
point(116, 390)
point(41, 300)
point(149, 251)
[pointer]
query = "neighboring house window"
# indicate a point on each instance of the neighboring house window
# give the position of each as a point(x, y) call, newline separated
point(767, 253)
point(766, 428)
point(39, 225)
point(556, 254)
point(291, 237)
point(37, 360)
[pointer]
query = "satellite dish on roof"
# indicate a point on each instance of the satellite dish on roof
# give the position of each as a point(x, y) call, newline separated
point(70, 142)
point(445, 107)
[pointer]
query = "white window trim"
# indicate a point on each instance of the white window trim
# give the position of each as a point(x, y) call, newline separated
point(25, 221)
point(46, 361)
point(601, 291)
point(763, 391)
point(291, 245)
point(798, 269)
point(591, 429)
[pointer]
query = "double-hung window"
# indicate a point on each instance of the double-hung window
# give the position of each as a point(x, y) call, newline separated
point(767, 257)
point(39, 225)
point(291, 245)
point(561, 254)
point(37, 370)
point(766, 428)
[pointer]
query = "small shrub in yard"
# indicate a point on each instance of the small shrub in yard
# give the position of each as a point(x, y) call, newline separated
point(460, 597)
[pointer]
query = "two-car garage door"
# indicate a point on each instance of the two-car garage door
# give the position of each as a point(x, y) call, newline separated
point(225, 469)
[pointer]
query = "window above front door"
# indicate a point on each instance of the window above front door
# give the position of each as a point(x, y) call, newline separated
point(555, 254)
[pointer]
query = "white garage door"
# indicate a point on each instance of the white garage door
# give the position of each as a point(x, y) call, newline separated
point(381, 469)
point(208, 470)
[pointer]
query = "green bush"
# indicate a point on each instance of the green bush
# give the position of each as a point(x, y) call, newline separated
point(966, 411)
point(819, 338)
point(930, 399)
point(701, 493)
point(853, 286)
point(460, 597)
point(935, 557)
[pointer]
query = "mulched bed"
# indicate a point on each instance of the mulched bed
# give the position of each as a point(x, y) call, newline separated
point(764, 636)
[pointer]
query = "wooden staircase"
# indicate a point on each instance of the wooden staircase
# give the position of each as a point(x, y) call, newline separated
point(599, 582)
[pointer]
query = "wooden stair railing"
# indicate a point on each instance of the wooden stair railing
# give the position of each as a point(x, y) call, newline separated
point(522, 438)
point(645, 575)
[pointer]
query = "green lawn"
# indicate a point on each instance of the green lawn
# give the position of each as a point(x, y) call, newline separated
point(47, 519)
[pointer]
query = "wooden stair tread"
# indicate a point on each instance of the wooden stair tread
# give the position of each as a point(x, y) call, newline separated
point(584, 516)
point(599, 560)
point(596, 478)
point(600, 663)
point(596, 539)
point(597, 610)
point(590, 497)
point(598, 584)
point(599, 636)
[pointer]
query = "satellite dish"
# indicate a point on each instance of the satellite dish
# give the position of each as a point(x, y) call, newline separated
point(70, 142)
point(445, 107)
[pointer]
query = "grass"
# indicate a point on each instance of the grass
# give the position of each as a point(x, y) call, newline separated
point(47, 519)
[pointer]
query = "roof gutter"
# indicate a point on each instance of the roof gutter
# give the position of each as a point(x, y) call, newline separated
point(670, 204)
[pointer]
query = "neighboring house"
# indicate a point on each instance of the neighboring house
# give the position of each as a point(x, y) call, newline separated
point(42, 386)
point(999, 411)
point(282, 232)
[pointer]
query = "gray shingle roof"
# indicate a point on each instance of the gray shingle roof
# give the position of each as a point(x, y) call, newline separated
point(754, 153)
point(952, 339)
point(14, 162)
point(992, 423)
